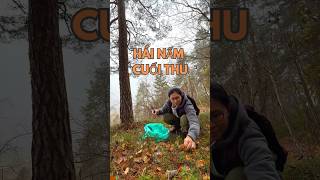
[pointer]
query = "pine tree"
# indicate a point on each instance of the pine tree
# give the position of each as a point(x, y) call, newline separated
point(52, 155)
point(144, 105)
point(95, 137)
point(161, 88)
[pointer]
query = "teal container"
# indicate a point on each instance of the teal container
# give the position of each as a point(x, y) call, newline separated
point(156, 131)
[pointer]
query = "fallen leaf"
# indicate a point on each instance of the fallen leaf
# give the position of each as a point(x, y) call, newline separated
point(124, 153)
point(156, 148)
point(144, 170)
point(126, 171)
point(139, 152)
point(134, 170)
point(159, 169)
point(206, 177)
point(181, 147)
point(146, 159)
point(137, 160)
point(121, 159)
point(123, 146)
point(173, 158)
point(200, 163)
point(148, 154)
point(171, 149)
point(188, 158)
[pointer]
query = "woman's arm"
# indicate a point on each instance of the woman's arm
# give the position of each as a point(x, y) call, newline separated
point(164, 109)
point(194, 124)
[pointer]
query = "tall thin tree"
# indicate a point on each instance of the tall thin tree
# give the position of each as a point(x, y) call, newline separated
point(52, 157)
point(126, 111)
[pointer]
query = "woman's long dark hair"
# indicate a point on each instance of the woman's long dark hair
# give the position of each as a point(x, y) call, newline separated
point(175, 89)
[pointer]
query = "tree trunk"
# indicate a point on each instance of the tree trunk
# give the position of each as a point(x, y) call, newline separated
point(126, 111)
point(52, 157)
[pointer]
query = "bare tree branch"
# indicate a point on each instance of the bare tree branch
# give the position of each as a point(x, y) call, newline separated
point(113, 20)
point(147, 10)
point(7, 143)
point(66, 17)
point(194, 8)
point(20, 6)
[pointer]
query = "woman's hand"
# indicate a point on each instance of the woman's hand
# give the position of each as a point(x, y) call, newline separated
point(189, 143)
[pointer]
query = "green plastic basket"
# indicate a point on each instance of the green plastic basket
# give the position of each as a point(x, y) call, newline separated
point(156, 131)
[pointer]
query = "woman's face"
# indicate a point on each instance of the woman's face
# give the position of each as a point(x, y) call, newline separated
point(219, 121)
point(175, 99)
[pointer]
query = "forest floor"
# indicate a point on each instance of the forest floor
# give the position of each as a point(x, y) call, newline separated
point(134, 158)
point(299, 167)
